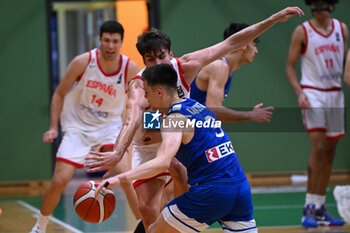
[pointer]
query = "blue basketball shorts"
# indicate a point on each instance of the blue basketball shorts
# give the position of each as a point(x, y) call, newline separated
point(228, 203)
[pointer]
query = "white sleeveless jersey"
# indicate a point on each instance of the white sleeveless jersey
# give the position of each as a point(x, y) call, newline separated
point(97, 99)
point(323, 57)
point(183, 91)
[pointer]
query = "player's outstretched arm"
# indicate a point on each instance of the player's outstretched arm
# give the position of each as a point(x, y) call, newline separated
point(171, 142)
point(192, 62)
point(134, 107)
point(74, 70)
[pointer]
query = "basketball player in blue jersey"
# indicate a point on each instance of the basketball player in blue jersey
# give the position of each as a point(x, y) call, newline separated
point(213, 82)
point(219, 188)
point(154, 46)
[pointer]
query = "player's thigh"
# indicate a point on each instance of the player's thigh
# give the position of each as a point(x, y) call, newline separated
point(314, 118)
point(150, 192)
point(335, 115)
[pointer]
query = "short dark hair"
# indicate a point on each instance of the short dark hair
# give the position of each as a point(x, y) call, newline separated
point(234, 28)
point(152, 41)
point(331, 2)
point(161, 74)
point(112, 26)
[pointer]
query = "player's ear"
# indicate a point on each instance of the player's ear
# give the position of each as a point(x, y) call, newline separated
point(159, 92)
point(171, 54)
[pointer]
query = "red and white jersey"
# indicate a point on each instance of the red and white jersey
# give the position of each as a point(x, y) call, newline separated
point(183, 91)
point(97, 99)
point(323, 57)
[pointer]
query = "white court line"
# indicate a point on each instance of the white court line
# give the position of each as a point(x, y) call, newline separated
point(278, 189)
point(59, 222)
point(276, 207)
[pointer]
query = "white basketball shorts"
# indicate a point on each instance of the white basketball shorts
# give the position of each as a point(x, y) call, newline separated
point(142, 154)
point(326, 113)
point(76, 145)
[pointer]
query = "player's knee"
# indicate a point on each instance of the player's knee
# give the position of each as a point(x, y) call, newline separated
point(147, 208)
point(319, 149)
point(58, 184)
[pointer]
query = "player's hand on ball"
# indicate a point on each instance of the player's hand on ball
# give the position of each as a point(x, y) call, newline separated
point(107, 183)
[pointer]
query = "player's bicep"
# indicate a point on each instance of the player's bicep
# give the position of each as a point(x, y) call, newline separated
point(216, 87)
point(297, 45)
point(346, 36)
point(133, 69)
point(134, 103)
point(75, 69)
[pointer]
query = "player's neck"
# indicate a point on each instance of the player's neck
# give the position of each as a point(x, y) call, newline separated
point(109, 66)
point(324, 23)
point(175, 100)
point(233, 60)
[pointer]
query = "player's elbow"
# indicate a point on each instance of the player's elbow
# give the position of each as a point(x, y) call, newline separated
point(163, 165)
point(287, 68)
point(347, 80)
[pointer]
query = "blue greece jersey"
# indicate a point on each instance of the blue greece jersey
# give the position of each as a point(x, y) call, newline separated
point(209, 156)
point(201, 96)
point(219, 189)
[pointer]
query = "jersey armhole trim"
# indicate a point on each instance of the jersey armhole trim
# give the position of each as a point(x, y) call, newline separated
point(306, 39)
point(81, 75)
point(181, 75)
point(342, 29)
point(126, 75)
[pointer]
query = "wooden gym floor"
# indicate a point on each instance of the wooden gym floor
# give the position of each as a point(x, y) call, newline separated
point(276, 210)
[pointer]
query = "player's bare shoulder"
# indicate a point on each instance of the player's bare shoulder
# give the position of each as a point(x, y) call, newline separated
point(133, 69)
point(214, 67)
point(80, 62)
point(136, 93)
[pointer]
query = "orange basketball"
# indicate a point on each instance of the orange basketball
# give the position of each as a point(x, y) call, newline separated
point(89, 209)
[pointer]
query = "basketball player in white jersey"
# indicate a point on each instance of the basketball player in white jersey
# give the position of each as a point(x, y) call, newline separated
point(322, 43)
point(89, 101)
point(154, 47)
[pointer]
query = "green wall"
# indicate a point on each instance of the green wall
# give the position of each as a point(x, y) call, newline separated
point(281, 145)
point(24, 98)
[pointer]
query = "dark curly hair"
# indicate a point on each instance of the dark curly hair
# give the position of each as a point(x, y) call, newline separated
point(332, 2)
point(152, 41)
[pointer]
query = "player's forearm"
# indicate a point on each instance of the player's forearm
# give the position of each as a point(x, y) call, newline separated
point(147, 170)
point(293, 79)
point(347, 79)
point(241, 38)
point(124, 138)
point(55, 110)
point(229, 115)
